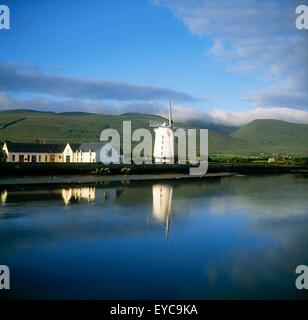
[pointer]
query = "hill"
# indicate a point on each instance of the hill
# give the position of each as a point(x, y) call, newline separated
point(61, 127)
point(258, 136)
point(31, 126)
point(227, 130)
point(276, 135)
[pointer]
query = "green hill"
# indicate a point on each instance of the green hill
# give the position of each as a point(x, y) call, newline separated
point(31, 126)
point(258, 136)
point(62, 127)
point(276, 136)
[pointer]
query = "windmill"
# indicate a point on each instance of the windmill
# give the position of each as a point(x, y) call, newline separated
point(164, 140)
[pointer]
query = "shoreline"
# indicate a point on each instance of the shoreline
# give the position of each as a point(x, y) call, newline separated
point(68, 174)
point(86, 179)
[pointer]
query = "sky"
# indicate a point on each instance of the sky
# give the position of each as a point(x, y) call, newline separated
point(227, 61)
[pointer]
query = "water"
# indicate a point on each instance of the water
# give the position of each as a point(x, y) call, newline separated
point(228, 238)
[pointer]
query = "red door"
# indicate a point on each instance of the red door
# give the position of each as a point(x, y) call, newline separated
point(21, 158)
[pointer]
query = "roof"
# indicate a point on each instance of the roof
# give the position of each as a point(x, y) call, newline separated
point(74, 146)
point(35, 147)
point(94, 146)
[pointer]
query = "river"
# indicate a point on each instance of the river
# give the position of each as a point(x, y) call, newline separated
point(222, 238)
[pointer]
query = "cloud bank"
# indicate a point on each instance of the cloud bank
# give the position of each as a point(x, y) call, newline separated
point(14, 79)
point(244, 117)
point(240, 118)
point(181, 113)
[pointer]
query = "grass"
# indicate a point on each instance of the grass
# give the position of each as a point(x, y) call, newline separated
point(259, 137)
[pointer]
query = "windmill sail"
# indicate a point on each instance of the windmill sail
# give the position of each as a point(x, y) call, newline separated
point(170, 115)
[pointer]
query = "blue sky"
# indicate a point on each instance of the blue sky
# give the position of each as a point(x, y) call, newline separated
point(218, 60)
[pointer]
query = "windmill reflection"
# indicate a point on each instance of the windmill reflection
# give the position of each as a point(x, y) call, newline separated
point(162, 204)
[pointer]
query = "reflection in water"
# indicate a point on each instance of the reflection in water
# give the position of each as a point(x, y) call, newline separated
point(110, 194)
point(67, 195)
point(3, 196)
point(162, 204)
point(86, 193)
point(235, 237)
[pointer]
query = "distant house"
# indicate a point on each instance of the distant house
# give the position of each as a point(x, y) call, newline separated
point(33, 152)
point(97, 152)
point(70, 152)
point(271, 160)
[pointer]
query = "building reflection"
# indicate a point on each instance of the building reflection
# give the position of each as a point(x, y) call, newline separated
point(111, 194)
point(78, 194)
point(162, 194)
point(90, 194)
point(67, 195)
point(162, 204)
point(3, 197)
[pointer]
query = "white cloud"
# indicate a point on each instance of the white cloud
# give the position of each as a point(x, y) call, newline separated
point(244, 117)
point(181, 113)
point(219, 116)
point(256, 37)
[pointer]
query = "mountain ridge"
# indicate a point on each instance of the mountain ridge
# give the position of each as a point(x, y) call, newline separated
point(261, 135)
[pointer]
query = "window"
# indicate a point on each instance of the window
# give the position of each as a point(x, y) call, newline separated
point(13, 158)
point(28, 158)
point(39, 158)
point(46, 158)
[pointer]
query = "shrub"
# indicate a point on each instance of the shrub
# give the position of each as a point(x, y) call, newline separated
point(125, 170)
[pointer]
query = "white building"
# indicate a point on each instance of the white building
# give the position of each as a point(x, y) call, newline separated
point(97, 152)
point(71, 152)
point(33, 152)
point(164, 142)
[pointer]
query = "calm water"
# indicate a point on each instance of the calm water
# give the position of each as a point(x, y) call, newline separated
point(234, 237)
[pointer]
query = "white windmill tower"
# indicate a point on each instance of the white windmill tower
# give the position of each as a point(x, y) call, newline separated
point(164, 141)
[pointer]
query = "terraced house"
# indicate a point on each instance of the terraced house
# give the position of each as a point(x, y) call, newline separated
point(70, 152)
point(33, 152)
